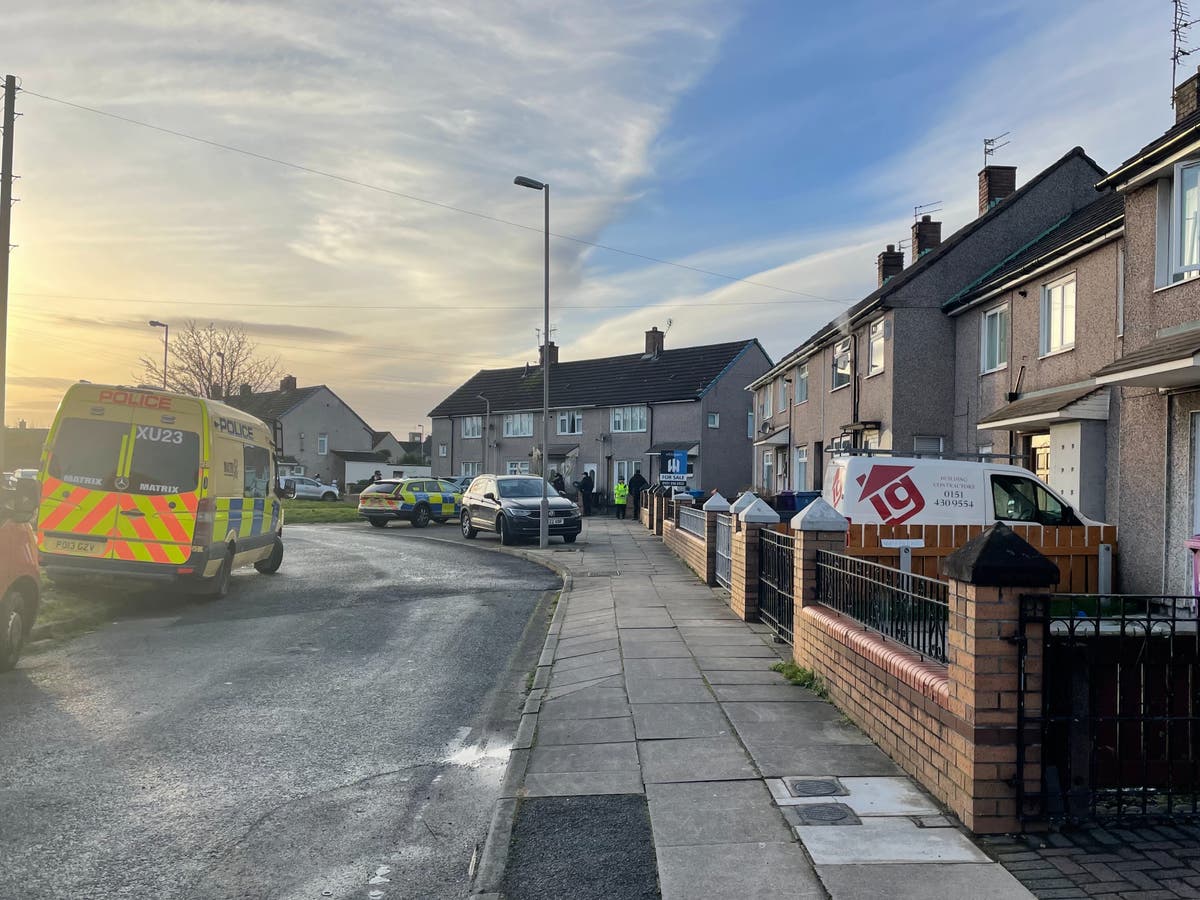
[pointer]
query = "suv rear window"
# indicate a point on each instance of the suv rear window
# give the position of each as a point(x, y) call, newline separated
point(380, 487)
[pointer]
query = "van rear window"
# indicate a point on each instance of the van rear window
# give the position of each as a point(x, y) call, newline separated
point(87, 452)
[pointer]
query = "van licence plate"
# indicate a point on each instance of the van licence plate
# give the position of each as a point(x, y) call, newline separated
point(77, 546)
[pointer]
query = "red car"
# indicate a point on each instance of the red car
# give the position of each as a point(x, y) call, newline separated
point(19, 580)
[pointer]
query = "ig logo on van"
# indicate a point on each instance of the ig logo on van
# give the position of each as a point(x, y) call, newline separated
point(890, 489)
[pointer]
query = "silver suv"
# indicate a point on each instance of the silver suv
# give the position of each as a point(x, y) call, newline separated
point(310, 488)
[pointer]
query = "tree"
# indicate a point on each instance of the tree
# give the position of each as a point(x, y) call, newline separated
point(211, 361)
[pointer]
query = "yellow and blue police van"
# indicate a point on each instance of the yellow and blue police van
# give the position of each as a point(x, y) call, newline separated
point(143, 483)
point(416, 500)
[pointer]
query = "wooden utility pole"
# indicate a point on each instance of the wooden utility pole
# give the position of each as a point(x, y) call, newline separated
point(6, 204)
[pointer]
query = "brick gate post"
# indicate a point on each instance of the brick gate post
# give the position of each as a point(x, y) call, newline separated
point(743, 592)
point(714, 506)
point(816, 527)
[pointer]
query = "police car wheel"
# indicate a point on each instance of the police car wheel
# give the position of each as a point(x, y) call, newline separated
point(469, 531)
point(378, 522)
point(12, 631)
point(271, 564)
point(421, 516)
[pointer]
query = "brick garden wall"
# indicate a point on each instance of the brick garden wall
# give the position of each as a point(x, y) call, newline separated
point(689, 548)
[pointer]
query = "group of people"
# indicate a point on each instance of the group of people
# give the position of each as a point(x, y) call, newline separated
point(621, 492)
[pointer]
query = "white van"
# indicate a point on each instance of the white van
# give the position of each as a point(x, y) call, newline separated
point(896, 490)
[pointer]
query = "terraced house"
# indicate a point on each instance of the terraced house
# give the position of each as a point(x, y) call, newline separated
point(611, 416)
point(883, 375)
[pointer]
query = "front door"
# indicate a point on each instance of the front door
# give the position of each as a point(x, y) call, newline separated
point(1039, 456)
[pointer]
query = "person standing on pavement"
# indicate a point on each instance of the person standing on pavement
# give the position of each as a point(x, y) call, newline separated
point(557, 482)
point(585, 486)
point(637, 484)
point(620, 496)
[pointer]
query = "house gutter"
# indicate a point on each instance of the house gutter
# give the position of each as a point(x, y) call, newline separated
point(1150, 158)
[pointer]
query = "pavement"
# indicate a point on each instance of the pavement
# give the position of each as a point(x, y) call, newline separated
point(649, 690)
point(340, 729)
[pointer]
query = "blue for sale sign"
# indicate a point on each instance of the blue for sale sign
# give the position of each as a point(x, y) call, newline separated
point(673, 466)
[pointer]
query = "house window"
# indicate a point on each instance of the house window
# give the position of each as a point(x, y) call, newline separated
point(570, 421)
point(1185, 221)
point(1058, 315)
point(781, 400)
point(875, 347)
point(841, 365)
point(768, 471)
point(766, 409)
point(714, 420)
point(442, 450)
point(472, 427)
point(629, 418)
point(841, 443)
point(800, 470)
point(322, 444)
point(517, 467)
point(801, 385)
point(995, 339)
point(871, 440)
point(470, 468)
point(927, 444)
point(518, 425)
point(750, 425)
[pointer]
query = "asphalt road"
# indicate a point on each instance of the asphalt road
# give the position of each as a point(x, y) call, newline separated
point(344, 721)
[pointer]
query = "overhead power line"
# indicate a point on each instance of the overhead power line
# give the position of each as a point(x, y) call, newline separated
point(425, 200)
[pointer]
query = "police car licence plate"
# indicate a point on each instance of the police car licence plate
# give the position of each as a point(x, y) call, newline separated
point(76, 546)
point(557, 521)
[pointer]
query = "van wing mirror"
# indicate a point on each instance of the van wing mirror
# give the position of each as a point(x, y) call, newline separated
point(21, 500)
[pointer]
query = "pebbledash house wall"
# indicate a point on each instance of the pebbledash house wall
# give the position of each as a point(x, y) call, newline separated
point(323, 412)
point(1097, 343)
point(1155, 483)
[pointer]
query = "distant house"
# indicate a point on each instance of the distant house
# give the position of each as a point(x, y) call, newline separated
point(23, 447)
point(611, 416)
point(312, 425)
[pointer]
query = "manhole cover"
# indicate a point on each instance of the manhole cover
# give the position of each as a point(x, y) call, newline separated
point(814, 787)
point(827, 814)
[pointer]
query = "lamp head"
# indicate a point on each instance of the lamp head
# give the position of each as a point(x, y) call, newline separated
point(529, 183)
point(154, 323)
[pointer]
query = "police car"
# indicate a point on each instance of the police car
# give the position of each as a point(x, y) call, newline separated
point(416, 500)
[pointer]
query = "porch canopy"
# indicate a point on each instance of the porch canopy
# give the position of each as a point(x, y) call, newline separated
point(1042, 410)
point(1171, 361)
point(692, 448)
point(775, 439)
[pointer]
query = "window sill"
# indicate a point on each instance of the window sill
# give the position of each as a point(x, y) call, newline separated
point(840, 387)
point(876, 374)
point(1003, 368)
point(1160, 288)
point(801, 402)
point(1058, 352)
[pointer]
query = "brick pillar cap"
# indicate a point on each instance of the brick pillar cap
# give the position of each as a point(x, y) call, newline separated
point(999, 558)
point(759, 512)
point(819, 516)
point(716, 503)
point(743, 502)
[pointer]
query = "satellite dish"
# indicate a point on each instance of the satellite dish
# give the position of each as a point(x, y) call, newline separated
point(765, 427)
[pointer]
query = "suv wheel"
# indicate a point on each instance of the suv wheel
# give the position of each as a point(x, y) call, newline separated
point(507, 538)
point(469, 531)
point(329, 495)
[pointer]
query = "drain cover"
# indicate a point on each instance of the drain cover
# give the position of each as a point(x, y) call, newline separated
point(826, 814)
point(814, 787)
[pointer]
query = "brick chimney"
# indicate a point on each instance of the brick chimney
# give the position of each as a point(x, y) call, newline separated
point(926, 234)
point(654, 341)
point(245, 390)
point(215, 391)
point(996, 183)
point(553, 349)
point(1187, 97)
point(890, 262)
point(287, 383)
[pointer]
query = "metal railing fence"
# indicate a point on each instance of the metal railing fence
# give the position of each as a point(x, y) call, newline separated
point(724, 560)
point(776, 563)
point(693, 521)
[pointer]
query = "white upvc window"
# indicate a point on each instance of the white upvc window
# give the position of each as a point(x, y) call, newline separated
point(875, 347)
point(840, 369)
point(442, 450)
point(768, 471)
point(781, 395)
point(800, 470)
point(1058, 316)
point(994, 340)
point(322, 444)
point(471, 469)
point(1185, 220)
point(766, 408)
point(801, 385)
point(629, 418)
point(570, 421)
point(518, 425)
point(517, 467)
point(750, 425)
point(714, 420)
point(472, 427)
point(928, 443)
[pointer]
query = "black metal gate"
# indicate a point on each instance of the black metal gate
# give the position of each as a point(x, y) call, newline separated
point(776, 561)
point(1112, 712)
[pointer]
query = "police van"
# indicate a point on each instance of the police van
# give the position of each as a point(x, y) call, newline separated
point(142, 483)
point(895, 490)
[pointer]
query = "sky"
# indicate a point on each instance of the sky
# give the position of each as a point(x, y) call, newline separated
point(782, 142)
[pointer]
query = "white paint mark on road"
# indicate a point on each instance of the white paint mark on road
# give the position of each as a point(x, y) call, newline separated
point(381, 875)
point(375, 895)
point(478, 754)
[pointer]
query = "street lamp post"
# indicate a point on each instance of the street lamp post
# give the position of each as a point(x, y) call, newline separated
point(154, 323)
point(487, 421)
point(544, 522)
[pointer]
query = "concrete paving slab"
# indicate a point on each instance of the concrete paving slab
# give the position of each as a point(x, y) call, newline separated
point(584, 731)
point(751, 676)
point(565, 690)
point(887, 840)
point(655, 650)
point(758, 871)
point(761, 711)
point(921, 881)
point(709, 663)
point(585, 673)
point(730, 638)
point(694, 759)
point(679, 667)
point(577, 784)
point(808, 732)
point(593, 707)
point(656, 721)
point(668, 690)
point(621, 757)
point(783, 693)
point(784, 760)
point(757, 650)
point(880, 796)
point(588, 659)
point(729, 812)
point(568, 649)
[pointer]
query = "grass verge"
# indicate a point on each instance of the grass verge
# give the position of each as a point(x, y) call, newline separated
point(311, 512)
point(70, 611)
point(803, 677)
